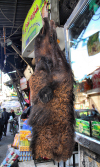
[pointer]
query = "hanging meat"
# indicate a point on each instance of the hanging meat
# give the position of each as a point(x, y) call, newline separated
point(51, 85)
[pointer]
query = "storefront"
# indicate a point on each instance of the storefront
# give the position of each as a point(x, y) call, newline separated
point(82, 31)
point(83, 47)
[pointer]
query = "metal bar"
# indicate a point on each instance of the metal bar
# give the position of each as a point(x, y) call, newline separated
point(76, 12)
point(19, 95)
point(8, 3)
point(88, 142)
point(14, 15)
point(73, 160)
point(19, 21)
point(4, 34)
point(18, 72)
point(16, 49)
point(10, 26)
point(64, 165)
point(16, 37)
point(13, 53)
point(1, 58)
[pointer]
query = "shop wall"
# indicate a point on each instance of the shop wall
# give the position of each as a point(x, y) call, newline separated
point(81, 102)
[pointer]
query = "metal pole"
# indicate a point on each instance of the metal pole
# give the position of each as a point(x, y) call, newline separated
point(64, 165)
point(73, 160)
point(4, 34)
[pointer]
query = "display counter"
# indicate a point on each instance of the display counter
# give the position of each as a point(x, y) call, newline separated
point(88, 150)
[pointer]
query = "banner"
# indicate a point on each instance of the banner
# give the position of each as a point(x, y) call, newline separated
point(23, 83)
point(0, 80)
point(32, 23)
point(93, 44)
point(96, 78)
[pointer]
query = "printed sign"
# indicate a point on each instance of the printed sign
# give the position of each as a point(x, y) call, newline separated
point(96, 79)
point(32, 23)
point(23, 83)
point(82, 126)
point(0, 80)
point(94, 44)
point(96, 129)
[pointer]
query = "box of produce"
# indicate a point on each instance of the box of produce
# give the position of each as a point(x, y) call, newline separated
point(95, 126)
point(24, 146)
point(24, 143)
point(25, 156)
point(24, 133)
point(82, 126)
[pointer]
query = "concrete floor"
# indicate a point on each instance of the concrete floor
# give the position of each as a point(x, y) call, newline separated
point(6, 140)
point(31, 164)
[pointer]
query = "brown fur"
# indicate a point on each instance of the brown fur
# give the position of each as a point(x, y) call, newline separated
point(52, 118)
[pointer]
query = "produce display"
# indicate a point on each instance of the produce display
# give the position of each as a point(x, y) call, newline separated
point(25, 156)
point(25, 153)
point(24, 143)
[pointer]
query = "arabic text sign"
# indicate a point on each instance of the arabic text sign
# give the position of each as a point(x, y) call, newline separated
point(0, 80)
point(32, 23)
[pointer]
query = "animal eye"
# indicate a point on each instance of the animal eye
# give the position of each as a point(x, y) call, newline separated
point(50, 39)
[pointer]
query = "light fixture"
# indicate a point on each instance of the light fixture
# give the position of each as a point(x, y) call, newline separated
point(12, 72)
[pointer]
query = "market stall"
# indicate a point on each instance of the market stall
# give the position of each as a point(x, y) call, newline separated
point(19, 152)
point(83, 50)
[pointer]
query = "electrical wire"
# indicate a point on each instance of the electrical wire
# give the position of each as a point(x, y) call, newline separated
point(14, 31)
point(24, 60)
point(96, 19)
point(5, 16)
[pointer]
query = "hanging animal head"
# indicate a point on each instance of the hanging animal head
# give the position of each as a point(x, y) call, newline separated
point(47, 48)
point(51, 86)
point(46, 39)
